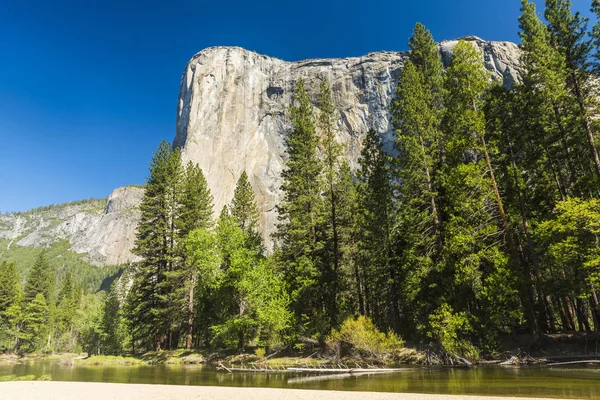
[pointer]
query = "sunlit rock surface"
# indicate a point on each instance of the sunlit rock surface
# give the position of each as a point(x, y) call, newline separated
point(103, 229)
point(232, 110)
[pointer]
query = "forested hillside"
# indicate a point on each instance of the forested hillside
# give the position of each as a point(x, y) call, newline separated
point(484, 222)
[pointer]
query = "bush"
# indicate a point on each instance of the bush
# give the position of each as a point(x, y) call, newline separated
point(453, 331)
point(260, 352)
point(365, 339)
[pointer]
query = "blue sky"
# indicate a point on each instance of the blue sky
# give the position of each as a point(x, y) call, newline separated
point(89, 88)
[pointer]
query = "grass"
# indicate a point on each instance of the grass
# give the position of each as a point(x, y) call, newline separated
point(110, 360)
point(11, 378)
point(168, 357)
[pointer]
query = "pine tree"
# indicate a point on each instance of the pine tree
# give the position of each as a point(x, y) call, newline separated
point(10, 288)
point(544, 79)
point(195, 212)
point(111, 327)
point(300, 210)
point(67, 303)
point(149, 306)
point(595, 36)
point(417, 116)
point(375, 278)
point(40, 280)
point(195, 203)
point(332, 167)
point(245, 210)
point(35, 325)
point(10, 305)
point(480, 276)
point(568, 32)
point(527, 184)
point(555, 137)
point(243, 206)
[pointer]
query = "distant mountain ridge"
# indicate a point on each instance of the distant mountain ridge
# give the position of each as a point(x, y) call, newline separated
point(102, 230)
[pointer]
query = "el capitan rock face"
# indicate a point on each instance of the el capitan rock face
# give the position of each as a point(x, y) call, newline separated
point(231, 117)
point(232, 105)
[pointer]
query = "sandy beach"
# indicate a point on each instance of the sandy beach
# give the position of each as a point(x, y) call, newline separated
point(106, 391)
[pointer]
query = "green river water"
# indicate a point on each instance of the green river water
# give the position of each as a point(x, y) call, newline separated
point(504, 381)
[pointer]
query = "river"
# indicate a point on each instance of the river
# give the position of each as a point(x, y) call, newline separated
point(504, 381)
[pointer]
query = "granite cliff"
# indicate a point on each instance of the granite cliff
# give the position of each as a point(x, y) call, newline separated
point(230, 118)
point(231, 112)
point(101, 229)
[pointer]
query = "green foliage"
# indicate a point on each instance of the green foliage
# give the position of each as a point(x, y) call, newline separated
point(572, 240)
point(62, 260)
point(417, 116)
point(260, 352)
point(149, 306)
point(254, 306)
point(454, 331)
point(300, 210)
point(91, 203)
point(195, 203)
point(41, 279)
point(10, 289)
point(243, 206)
point(364, 338)
point(337, 218)
point(112, 326)
point(10, 306)
point(374, 271)
point(33, 335)
point(88, 323)
point(485, 222)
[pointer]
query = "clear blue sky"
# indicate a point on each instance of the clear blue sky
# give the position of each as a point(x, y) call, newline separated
point(89, 88)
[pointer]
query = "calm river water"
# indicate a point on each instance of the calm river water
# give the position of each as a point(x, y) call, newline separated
point(503, 381)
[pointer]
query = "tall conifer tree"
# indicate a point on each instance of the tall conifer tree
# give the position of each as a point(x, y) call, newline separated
point(376, 281)
point(156, 242)
point(40, 280)
point(480, 277)
point(568, 32)
point(245, 211)
point(417, 116)
point(300, 210)
point(195, 211)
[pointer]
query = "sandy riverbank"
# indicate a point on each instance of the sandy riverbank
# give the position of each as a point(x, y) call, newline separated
point(109, 391)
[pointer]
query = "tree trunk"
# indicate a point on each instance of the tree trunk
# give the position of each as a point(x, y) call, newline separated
point(565, 145)
point(569, 313)
point(558, 178)
point(434, 208)
point(336, 255)
point(361, 301)
point(530, 246)
point(525, 296)
point(595, 308)
point(190, 328)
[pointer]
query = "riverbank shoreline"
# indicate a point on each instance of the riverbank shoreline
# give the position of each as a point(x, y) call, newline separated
point(124, 391)
point(514, 350)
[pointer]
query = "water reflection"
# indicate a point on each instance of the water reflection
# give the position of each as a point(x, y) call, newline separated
point(524, 381)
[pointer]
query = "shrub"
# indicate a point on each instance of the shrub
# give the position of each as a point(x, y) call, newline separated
point(260, 352)
point(365, 339)
point(453, 331)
